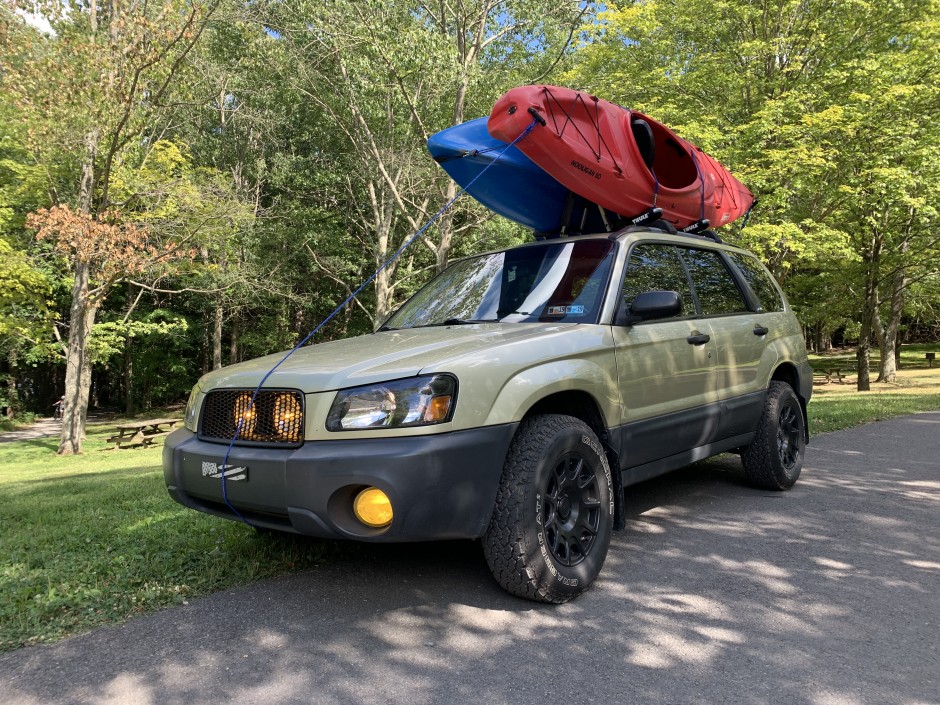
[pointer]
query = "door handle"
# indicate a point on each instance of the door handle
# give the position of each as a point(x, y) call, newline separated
point(698, 339)
point(760, 330)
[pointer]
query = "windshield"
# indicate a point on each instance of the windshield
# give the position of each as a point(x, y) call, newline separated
point(558, 281)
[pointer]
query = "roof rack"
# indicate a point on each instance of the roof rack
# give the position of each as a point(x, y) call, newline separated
point(667, 227)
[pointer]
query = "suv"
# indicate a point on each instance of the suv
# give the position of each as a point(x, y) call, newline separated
point(512, 399)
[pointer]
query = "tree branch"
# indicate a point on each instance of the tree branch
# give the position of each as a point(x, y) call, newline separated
point(184, 290)
point(339, 281)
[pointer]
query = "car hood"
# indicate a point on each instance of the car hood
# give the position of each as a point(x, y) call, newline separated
point(380, 356)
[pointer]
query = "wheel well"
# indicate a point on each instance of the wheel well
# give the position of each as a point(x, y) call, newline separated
point(789, 374)
point(578, 404)
point(583, 406)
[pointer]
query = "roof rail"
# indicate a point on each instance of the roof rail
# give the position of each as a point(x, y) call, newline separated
point(667, 227)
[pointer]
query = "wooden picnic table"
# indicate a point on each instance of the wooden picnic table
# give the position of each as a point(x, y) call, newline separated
point(829, 373)
point(142, 433)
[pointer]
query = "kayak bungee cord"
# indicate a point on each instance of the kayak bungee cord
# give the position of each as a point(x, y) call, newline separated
point(241, 421)
point(595, 123)
point(702, 222)
point(470, 153)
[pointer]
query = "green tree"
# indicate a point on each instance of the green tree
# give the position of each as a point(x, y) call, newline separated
point(385, 75)
point(84, 94)
point(817, 107)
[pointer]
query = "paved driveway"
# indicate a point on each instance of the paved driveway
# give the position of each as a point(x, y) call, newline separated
point(716, 593)
point(39, 429)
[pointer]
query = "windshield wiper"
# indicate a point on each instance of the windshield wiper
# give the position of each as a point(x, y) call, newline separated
point(455, 322)
point(458, 322)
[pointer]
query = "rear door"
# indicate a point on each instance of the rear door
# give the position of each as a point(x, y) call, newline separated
point(739, 334)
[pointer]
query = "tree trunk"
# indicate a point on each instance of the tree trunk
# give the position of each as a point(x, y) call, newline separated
point(818, 336)
point(446, 223)
point(129, 375)
point(892, 351)
point(77, 365)
point(383, 282)
point(81, 321)
point(869, 309)
point(297, 329)
point(217, 337)
point(345, 320)
point(879, 332)
point(383, 297)
point(863, 357)
point(11, 396)
point(233, 341)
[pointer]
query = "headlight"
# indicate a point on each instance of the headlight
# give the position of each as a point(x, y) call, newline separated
point(191, 417)
point(404, 403)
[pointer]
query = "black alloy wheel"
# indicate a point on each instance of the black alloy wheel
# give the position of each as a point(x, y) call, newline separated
point(790, 434)
point(571, 510)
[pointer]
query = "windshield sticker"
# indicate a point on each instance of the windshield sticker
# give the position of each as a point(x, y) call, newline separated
point(574, 310)
point(512, 274)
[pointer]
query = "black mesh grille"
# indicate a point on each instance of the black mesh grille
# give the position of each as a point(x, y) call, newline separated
point(277, 416)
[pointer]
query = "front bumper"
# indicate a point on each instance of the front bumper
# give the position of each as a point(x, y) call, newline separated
point(441, 486)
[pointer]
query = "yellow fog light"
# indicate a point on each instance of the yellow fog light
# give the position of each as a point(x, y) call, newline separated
point(373, 507)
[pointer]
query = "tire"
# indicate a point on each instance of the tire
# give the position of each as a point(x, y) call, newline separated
point(774, 458)
point(551, 525)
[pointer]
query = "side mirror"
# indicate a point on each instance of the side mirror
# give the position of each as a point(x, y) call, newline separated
point(651, 305)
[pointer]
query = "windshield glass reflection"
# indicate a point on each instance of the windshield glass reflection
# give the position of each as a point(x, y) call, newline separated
point(557, 281)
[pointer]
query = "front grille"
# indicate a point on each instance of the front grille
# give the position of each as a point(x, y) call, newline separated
point(277, 416)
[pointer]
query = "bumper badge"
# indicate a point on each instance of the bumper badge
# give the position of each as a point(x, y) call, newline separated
point(233, 473)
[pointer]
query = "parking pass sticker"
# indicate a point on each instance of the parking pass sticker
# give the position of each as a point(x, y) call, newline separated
point(574, 310)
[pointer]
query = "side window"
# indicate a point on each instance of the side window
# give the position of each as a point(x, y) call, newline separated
point(717, 291)
point(657, 268)
point(759, 280)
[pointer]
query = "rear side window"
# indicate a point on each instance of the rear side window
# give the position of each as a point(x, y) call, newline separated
point(655, 267)
point(718, 294)
point(759, 280)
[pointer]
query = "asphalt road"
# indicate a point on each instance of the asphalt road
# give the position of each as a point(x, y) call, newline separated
point(716, 593)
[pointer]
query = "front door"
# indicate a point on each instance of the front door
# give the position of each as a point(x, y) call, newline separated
point(666, 367)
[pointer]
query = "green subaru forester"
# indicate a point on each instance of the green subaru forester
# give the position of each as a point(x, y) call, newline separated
point(511, 400)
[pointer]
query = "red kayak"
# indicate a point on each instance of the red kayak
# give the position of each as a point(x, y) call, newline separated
point(619, 158)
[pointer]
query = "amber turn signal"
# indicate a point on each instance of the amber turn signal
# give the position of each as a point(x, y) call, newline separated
point(438, 409)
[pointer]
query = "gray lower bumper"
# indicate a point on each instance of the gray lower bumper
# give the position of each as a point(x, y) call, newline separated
point(441, 486)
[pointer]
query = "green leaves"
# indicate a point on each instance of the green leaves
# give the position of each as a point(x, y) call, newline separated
point(818, 108)
point(20, 283)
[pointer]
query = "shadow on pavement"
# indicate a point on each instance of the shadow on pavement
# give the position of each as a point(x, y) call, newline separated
point(715, 593)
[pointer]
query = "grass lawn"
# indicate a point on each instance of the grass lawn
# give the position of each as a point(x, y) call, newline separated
point(95, 539)
point(835, 406)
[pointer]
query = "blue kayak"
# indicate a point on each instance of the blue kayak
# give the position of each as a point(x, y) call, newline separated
point(514, 187)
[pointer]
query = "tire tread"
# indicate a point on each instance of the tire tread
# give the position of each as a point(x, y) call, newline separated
point(504, 541)
point(761, 461)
